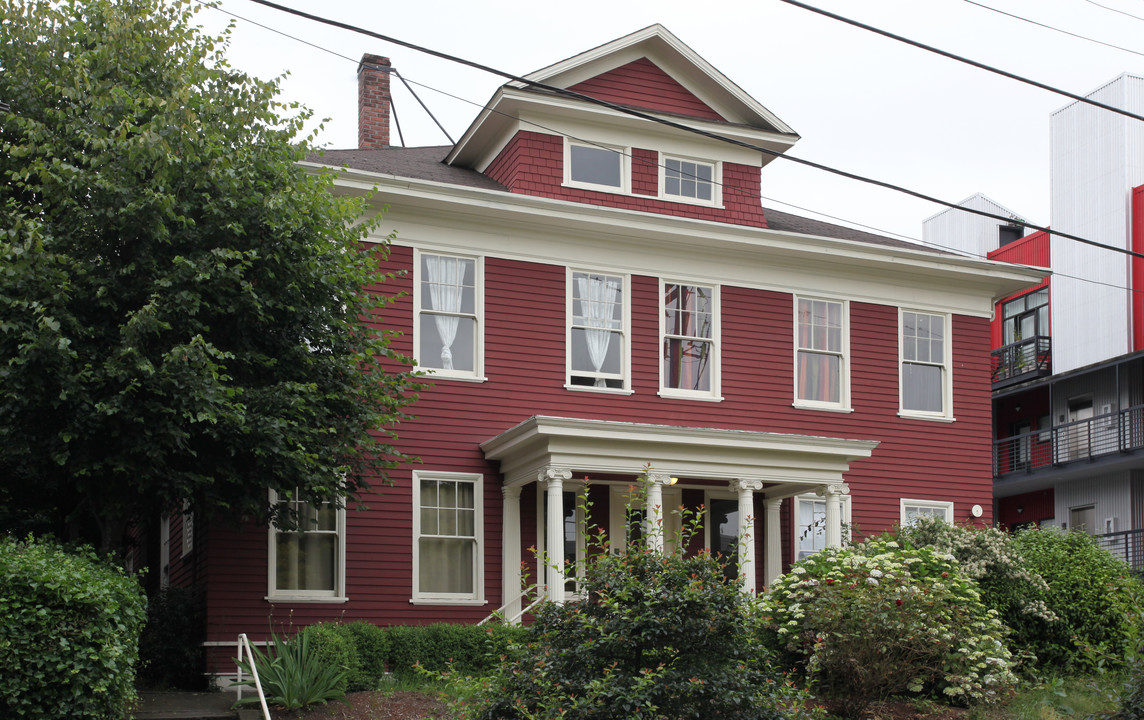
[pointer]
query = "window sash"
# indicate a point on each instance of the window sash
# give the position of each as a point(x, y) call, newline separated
point(820, 357)
point(924, 367)
point(689, 179)
point(596, 338)
point(448, 303)
point(688, 338)
point(447, 537)
point(308, 561)
point(591, 165)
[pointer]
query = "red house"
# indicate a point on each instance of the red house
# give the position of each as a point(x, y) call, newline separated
point(592, 293)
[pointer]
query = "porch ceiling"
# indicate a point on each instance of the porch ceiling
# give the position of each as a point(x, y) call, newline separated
point(788, 464)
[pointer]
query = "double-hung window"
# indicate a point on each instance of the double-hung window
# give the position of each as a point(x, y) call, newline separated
point(914, 510)
point(821, 372)
point(925, 360)
point(597, 330)
point(448, 534)
point(595, 167)
point(689, 332)
point(307, 563)
point(689, 180)
point(448, 301)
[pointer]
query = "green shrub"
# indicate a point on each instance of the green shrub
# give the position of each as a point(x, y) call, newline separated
point(1006, 583)
point(372, 645)
point(876, 619)
point(334, 646)
point(171, 653)
point(1091, 592)
point(291, 675)
point(464, 648)
point(69, 632)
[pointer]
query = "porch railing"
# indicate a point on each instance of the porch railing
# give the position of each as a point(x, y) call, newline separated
point(244, 651)
point(1114, 432)
point(1024, 359)
point(1128, 545)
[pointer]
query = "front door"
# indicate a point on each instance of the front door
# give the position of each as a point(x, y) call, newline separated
point(1083, 518)
point(1079, 429)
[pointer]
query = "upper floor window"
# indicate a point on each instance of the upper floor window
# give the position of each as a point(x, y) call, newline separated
point(308, 562)
point(1025, 317)
point(448, 534)
point(821, 370)
point(690, 333)
point(597, 330)
point(691, 180)
point(448, 301)
point(595, 167)
point(925, 365)
point(914, 510)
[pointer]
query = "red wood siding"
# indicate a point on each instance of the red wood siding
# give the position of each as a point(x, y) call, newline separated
point(525, 366)
point(641, 83)
point(532, 163)
point(1036, 506)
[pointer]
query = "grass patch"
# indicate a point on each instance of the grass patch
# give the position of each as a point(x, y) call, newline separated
point(1059, 699)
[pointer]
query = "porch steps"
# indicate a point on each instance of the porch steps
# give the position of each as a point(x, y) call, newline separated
point(175, 705)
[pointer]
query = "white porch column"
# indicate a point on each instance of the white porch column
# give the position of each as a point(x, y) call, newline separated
point(653, 512)
point(510, 551)
point(833, 494)
point(553, 480)
point(745, 490)
point(773, 547)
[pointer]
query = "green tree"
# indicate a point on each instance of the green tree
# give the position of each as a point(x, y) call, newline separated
point(185, 312)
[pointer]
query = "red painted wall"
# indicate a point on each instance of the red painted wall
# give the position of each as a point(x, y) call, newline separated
point(1032, 250)
point(642, 84)
point(1035, 506)
point(533, 164)
point(1137, 294)
point(525, 366)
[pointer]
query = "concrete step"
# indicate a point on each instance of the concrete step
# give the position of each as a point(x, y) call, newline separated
point(175, 705)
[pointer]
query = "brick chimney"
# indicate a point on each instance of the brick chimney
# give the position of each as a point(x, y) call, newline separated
point(373, 102)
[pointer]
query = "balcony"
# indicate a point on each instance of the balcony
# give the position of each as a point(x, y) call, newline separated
point(1127, 545)
point(1108, 434)
point(1022, 360)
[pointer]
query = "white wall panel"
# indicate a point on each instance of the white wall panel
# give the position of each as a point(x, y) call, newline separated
point(1111, 496)
point(967, 232)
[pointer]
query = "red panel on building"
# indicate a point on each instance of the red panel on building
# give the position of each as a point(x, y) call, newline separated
point(1035, 250)
point(643, 84)
point(1137, 294)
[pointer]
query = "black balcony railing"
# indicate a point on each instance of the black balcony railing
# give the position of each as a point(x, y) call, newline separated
point(1127, 545)
point(1022, 360)
point(1115, 432)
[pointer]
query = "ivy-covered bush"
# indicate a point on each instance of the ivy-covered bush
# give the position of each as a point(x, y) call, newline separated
point(372, 645)
point(1091, 592)
point(877, 619)
point(1005, 580)
point(171, 654)
point(463, 648)
point(69, 633)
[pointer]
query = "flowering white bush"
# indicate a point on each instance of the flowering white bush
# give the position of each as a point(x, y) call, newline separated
point(876, 619)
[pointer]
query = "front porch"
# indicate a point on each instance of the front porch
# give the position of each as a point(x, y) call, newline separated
point(732, 467)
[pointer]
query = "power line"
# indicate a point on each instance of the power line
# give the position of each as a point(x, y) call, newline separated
point(1115, 10)
point(1054, 29)
point(722, 138)
point(959, 58)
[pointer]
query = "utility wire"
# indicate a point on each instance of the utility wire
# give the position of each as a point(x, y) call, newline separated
point(1054, 29)
point(959, 58)
point(1115, 10)
point(722, 138)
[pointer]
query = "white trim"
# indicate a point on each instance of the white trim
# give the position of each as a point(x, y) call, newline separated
point(715, 339)
point(946, 366)
point(625, 159)
point(619, 496)
point(625, 332)
point(478, 316)
point(945, 505)
point(796, 520)
point(337, 595)
point(576, 487)
point(716, 182)
point(477, 596)
point(844, 403)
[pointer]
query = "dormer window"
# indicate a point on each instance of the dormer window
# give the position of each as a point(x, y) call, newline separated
point(689, 180)
point(595, 167)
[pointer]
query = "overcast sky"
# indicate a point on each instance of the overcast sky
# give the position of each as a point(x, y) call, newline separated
point(861, 102)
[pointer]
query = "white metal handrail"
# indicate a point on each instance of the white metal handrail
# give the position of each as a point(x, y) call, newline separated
point(516, 617)
point(244, 643)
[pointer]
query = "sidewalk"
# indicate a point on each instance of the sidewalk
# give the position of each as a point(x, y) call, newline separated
point(176, 705)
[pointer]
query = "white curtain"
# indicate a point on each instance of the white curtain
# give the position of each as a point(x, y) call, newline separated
point(598, 298)
point(446, 289)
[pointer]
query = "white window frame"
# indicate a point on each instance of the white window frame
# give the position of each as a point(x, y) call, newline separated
point(478, 315)
point(714, 393)
point(621, 495)
point(477, 597)
point(708, 526)
point(337, 595)
point(624, 153)
point(946, 365)
point(625, 334)
point(798, 528)
point(843, 404)
point(716, 181)
point(944, 505)
point(577, 488)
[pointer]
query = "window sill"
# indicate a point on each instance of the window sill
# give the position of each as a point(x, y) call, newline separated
point(297, 599)
point(607, 391)
point(678, 395)
point(681, 200)
point(906, 415)
point(610, 189)
point(800, 405)
point(434, 374)
point(446, 601)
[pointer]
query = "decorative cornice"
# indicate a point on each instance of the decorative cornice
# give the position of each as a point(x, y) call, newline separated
point(659, 479)
point(554, 475)
point(836, 489)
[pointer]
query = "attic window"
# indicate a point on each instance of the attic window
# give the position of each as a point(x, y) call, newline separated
point(690, 181)
point(595, 167)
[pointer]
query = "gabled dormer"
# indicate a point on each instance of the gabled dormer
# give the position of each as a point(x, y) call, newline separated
point(538, 141)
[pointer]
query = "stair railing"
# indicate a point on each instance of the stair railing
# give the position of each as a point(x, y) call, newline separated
point(243, 643)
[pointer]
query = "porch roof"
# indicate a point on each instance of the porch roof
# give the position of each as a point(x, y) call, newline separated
point(787, 464)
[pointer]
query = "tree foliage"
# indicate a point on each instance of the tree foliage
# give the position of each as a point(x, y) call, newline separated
point(181, 304)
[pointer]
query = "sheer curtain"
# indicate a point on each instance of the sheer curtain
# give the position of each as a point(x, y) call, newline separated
point(598, 298)
point(446, 290)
